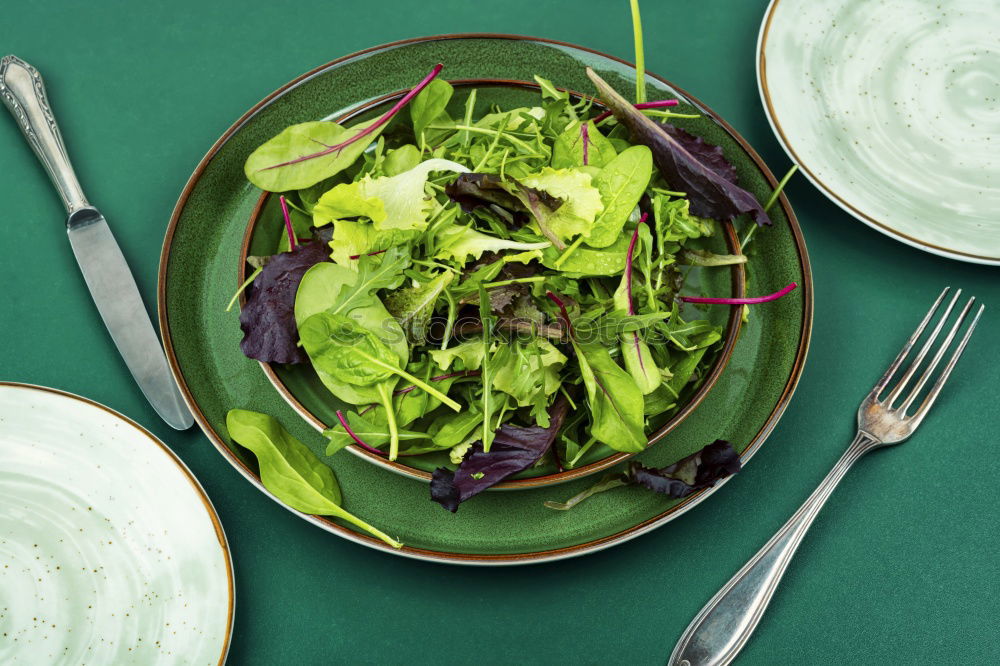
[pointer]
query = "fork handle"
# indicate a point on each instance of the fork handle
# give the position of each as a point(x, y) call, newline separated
point(717, 634)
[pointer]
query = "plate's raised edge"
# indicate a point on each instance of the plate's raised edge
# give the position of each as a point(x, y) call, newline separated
point(883, 227)
point(466, 558)
point(220, 533)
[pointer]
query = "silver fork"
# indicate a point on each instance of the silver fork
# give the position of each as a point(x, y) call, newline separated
point(717, 634)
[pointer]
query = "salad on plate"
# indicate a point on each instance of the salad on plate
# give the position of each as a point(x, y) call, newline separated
point(500, 284)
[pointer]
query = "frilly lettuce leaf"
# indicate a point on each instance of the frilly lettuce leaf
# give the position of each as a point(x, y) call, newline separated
point(459, 243)
point(581, 200)
point(390, 202)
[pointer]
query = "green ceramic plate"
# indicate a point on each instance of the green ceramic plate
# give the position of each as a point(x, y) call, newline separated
point(198, 276)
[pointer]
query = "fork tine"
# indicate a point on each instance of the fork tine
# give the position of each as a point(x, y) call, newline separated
point(880, 386)
point(937, 356)
point(936, 389)
point(910, 371)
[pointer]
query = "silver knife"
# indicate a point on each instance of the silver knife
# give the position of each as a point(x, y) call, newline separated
point(107, 275)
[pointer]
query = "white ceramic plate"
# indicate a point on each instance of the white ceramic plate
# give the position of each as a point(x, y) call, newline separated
point(110, 551)
point(892, 108)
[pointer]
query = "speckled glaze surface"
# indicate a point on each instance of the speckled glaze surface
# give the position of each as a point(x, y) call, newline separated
point(110, 552)
point(892, 108)
point(197, 279)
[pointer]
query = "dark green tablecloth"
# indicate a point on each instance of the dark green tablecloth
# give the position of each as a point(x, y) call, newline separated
point(901, 568)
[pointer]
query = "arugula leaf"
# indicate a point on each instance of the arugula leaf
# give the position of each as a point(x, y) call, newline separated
point(674, 221)
point(290, 471)
point(267, 318)
point(710, 191)
point(692, 335)
point(413, 307)
point(390, 202)
point(529, 373)
point(300, 140)
point(621, 184)
point(515, 448)
point(384, 272)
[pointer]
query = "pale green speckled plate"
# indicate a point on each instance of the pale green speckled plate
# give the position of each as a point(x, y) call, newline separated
point(198, 274)
point(110, 551)
point(892, 109)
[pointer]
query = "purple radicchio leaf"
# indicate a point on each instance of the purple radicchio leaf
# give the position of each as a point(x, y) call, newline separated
point(514, 448)
point(699, 470)
point(688, 164)
point(268, 318)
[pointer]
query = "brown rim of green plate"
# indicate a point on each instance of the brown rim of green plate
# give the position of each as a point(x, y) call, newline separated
point(722, 356)
point(544, 554)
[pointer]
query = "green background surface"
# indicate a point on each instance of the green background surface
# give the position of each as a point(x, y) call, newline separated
point(900, 568)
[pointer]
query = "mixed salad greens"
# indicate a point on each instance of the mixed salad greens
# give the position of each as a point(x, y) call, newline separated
point(500, 284)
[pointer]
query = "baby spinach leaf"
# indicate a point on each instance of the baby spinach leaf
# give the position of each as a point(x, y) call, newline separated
point(402, 159)
point(710, 190)
point(341, 347)
point(621, 183)
point(319, 291)
point(615, 400)
point(413, 306)
point(290, 471)
point(515, 448)
point(585, 261)
point(450, 430)
point(267, 318)
point(299, 141)
point(429, 104)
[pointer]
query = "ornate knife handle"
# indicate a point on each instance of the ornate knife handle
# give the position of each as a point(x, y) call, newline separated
point(23, 92)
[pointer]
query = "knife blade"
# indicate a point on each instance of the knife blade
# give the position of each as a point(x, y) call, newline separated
point(104, 267)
